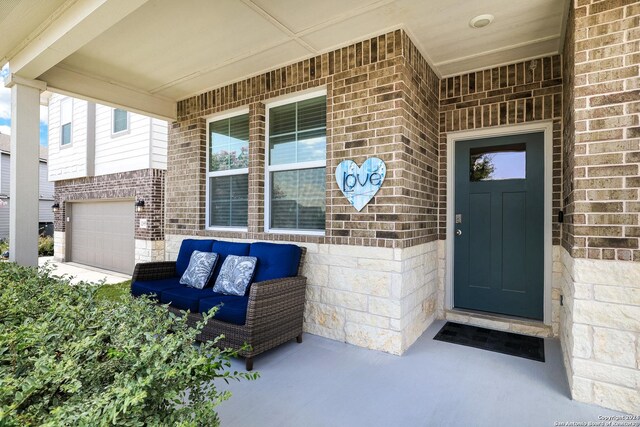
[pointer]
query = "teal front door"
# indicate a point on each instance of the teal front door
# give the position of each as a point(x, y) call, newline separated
point(499, 225)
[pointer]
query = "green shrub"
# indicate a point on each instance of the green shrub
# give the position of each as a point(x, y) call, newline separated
point(114, 291)
point(45, 246)
point(70, 358)
point(4, 246)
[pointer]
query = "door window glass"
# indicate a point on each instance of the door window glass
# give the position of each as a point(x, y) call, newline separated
point(498, 163)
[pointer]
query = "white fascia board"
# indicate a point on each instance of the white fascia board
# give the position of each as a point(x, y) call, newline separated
point(72, 83)
point(80, 23)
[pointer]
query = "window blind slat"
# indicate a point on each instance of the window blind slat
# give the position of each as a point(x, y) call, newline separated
point(239, 127)
point(282, 149)
point(228, 201)
point(229, 143)
point(282, 119)
point(298, 199)
point(312, 145)
point(312, 114)
point(297, 133)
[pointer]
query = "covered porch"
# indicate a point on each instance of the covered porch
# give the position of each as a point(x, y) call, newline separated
point(147, 55)
point(402, 80)
point(324, 382)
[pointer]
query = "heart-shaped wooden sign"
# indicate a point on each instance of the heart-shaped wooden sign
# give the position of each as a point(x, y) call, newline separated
point(360, 184)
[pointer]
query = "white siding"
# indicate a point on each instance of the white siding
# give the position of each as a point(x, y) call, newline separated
point(5, 173)
point(159, 137)
point(4, 218)
point(45, 215)
point(46, 187)
point(143, 146)
point(68, 161)
point(126, 151)
point(46, 194)
point(45, 212)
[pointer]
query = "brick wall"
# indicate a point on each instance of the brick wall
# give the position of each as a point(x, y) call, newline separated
point(600, 326)
point(420, 106)
point(381, 101)
point(568, 132)
point(373, 297)
point(568, 334)
point(606, 98)
point(512, 94)
point(146, 184)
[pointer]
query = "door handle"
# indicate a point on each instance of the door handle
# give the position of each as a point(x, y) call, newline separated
point(458, 232)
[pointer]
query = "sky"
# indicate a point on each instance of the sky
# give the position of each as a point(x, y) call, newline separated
point(508, 165)
point(5, 112)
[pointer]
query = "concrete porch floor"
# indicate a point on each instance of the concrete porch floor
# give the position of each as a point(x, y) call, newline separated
point(82, 273)
point(327, 383)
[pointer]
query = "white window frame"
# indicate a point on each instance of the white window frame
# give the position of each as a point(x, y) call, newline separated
point(64, 101)
point(226, 115)
point(288, 166)
point(113, 119)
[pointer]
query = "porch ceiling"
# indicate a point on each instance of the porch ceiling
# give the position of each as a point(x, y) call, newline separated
point(164, 50)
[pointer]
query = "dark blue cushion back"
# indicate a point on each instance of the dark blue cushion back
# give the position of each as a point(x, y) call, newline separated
point(223, 249)
point(275, 261)
point(187, 248)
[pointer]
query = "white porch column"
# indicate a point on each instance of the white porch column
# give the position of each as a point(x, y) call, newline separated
point(24, 191)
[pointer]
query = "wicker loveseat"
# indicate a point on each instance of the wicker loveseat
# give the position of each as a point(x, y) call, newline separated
point(270, 313)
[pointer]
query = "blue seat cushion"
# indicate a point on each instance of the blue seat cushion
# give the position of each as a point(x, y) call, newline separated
point(186, 249)
point(233, 308)
point(185, 297)
point(148, 287)
point(223, 249)
point(275, 261)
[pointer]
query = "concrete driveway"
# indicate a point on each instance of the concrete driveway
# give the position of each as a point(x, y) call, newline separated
point(82, 273)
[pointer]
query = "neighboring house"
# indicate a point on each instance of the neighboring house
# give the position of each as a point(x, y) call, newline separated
point(103, 161)
point(45, 221)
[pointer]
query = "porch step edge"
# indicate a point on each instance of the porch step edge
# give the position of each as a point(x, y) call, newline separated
point(517, 326)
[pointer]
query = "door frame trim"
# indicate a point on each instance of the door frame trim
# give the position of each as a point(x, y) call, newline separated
point(452, 137)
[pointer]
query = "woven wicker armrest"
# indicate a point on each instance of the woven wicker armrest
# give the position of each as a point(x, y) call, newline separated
point(278, 300)
point(277, 287)
point(154, 270)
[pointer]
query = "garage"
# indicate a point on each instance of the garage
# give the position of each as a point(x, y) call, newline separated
point(102, 234)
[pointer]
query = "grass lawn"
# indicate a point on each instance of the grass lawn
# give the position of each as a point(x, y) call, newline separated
point(114, 291)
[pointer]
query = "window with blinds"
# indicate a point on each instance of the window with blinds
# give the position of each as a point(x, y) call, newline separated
point(228, 173)
point(120, 121)
point(296, 166)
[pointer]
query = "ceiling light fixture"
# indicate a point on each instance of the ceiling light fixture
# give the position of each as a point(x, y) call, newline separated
point(481, 21)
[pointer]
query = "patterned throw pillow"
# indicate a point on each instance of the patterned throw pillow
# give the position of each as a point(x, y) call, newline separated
point(200, 268)
point(235, 275)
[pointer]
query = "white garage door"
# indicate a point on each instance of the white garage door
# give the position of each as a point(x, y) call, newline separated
point(102, 234)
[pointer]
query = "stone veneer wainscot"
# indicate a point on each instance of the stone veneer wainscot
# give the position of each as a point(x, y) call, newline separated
point(378, 298)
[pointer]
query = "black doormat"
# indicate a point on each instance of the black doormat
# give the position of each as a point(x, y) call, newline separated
point(498, 341)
